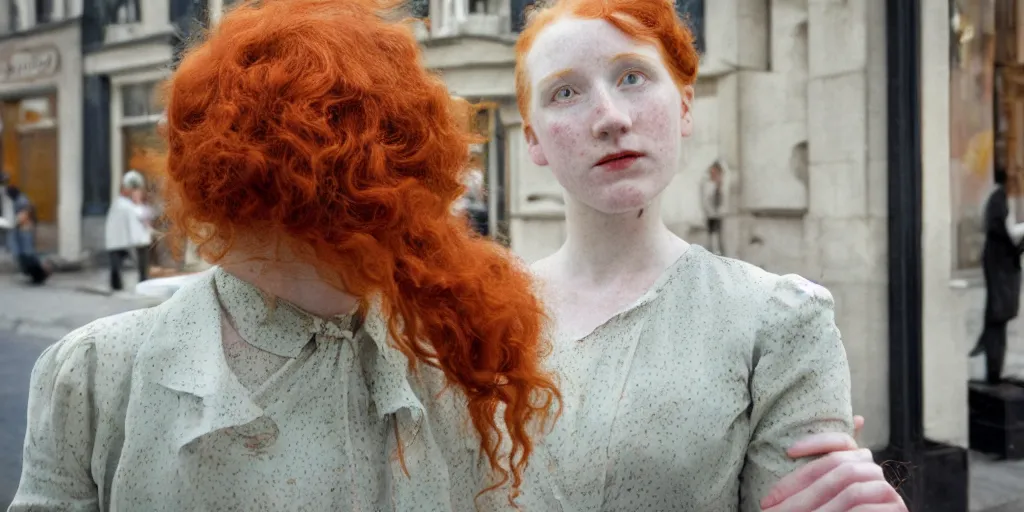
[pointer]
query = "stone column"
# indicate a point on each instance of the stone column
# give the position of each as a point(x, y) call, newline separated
point(846, 226)
point(946, 338)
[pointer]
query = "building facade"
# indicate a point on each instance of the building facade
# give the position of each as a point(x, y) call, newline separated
point(41, 114)
point(79, 105)
point(129, 50)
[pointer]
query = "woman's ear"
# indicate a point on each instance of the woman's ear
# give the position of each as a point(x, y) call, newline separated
point(534, 148)
point(686, 124)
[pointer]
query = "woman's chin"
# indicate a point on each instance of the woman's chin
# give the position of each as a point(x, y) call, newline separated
point(621, 205)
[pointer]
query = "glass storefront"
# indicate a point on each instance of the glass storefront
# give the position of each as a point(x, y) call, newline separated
point(971, 106)
point(28, 142)
point(986, 116)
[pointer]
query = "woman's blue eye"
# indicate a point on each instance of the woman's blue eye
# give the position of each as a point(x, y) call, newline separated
point(633, 78)
point(564, 93)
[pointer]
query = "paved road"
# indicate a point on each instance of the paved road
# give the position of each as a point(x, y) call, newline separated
point(19, 354)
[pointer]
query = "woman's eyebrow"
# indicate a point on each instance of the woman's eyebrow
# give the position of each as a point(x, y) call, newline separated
point(554, 77)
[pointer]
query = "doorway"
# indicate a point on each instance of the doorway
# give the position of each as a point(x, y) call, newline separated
point(29, 147)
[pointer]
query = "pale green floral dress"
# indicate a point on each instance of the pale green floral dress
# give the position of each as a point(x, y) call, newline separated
point(216, 401)
point(687, 400)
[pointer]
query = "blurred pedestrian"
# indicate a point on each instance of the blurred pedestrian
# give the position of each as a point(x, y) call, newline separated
point(713, 203)
point(129, 233)
point(21, 237)
point(1000, 262)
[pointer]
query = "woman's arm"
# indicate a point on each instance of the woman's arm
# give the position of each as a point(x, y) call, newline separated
point(56, 472)
point(800, 383)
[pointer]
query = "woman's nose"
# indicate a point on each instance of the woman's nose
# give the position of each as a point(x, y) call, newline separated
point(611, 119)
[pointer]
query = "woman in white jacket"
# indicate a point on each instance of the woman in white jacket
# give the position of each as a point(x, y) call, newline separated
point(129, 232)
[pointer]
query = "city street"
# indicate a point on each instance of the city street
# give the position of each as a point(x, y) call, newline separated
point(19, 353)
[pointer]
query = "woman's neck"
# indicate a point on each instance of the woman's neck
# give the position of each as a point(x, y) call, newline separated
point(601, 246)
point(292, 280)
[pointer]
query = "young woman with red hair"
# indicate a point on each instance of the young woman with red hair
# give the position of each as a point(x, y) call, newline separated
point(687, 378)
point(315, 161)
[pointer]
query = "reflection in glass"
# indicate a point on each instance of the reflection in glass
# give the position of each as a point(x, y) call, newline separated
point(971, 88)
point(140, 100)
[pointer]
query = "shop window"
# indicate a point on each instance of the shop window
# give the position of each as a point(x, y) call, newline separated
point(141, 113)
point(973, 99)
point(28, 141)
point(143, 149)
point(140, 100)
point(35, 112)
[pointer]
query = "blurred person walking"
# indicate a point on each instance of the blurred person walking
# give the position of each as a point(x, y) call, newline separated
point(712, 189)
point(21, 234)
point(128, 229)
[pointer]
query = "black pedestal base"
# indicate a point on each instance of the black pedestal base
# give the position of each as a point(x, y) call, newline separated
point(940, 483)
point(997, 418)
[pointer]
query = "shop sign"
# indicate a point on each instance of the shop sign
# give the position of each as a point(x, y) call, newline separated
point(29, 64)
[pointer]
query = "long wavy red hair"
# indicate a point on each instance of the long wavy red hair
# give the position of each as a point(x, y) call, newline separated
point(648, 21)
point(315, 120)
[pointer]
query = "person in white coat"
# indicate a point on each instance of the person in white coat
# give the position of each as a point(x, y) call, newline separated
point(128, 229)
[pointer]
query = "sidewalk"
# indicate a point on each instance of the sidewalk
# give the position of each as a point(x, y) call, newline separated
point(996, 486)
point(67, 301)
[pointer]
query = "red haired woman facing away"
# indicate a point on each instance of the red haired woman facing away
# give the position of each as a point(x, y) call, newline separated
point(315, 161)
point(688, 379)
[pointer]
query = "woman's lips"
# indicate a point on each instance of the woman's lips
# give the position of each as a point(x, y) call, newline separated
point(619, 161)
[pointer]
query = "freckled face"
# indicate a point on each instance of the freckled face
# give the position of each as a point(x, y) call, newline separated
point(605, 114)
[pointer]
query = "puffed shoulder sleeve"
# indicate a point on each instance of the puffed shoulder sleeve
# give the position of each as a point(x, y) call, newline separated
point(800, 383)
point(61, 426)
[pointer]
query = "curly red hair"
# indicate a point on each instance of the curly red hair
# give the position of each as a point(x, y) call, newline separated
point(649, 21)
point(316, 120)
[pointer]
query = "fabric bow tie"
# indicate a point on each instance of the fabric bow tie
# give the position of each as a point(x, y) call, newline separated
point(336, 328)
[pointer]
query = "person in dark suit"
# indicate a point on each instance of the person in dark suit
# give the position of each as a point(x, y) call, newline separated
point(1000, 263)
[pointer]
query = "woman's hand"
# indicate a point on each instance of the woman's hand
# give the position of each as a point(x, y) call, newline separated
point(845, 479)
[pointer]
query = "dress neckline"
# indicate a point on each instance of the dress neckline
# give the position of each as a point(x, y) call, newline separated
point(663, 280)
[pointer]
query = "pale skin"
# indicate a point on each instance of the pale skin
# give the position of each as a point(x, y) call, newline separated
point(596, 92)
point(283, 274)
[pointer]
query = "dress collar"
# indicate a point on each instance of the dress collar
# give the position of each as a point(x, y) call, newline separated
point(275, 326)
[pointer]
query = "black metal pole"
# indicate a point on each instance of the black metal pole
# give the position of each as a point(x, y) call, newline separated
point(906, 376)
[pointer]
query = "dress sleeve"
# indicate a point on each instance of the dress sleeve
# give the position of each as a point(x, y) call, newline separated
point(800, 383)
point(56, 472)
